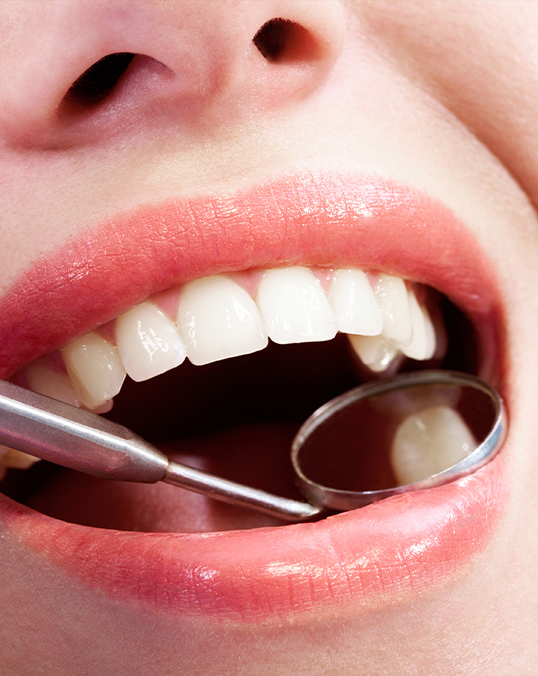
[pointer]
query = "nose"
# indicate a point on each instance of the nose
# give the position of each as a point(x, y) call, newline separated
point(77, 71)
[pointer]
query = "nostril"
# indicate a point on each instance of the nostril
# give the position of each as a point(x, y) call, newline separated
point(281, 40)
point(98, 81)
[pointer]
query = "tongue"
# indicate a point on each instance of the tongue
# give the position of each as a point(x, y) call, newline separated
point(254, 455)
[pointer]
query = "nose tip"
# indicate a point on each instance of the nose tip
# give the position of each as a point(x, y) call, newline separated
point(88, 69)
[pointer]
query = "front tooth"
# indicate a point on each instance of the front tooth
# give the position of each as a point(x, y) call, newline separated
point(376, 352)
point(95, 369)
point(391, 294)
point(354, 303)
point(218, 320)
point(428, 442)
point(148, 342)
point(422, 345)
point(294, 307)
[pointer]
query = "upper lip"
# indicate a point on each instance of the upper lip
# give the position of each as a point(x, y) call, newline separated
point(330, 220)
point(333, 220)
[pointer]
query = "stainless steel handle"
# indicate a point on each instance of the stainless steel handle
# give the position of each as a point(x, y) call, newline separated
point(83, 441)
point(71, 437)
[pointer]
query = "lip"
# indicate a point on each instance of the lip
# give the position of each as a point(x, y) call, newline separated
point(376, 555)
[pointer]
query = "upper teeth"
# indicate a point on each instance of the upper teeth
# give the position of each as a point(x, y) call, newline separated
point(218, 319)
point(215, 318)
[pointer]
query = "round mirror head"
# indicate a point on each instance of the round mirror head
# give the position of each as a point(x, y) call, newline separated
point(413, 431)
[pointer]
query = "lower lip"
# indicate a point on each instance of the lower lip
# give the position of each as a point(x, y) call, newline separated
point(381, 554)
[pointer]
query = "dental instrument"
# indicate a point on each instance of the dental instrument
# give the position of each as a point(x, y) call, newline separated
point(332, 470)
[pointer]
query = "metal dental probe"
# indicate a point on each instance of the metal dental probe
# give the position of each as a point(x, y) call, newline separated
point(83, 441)
point(328, 453)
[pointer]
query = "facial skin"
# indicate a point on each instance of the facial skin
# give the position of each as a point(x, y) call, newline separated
point(436, 96)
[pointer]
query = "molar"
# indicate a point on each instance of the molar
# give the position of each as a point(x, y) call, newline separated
point(95, 369)
point(294, 307)
point(148, 342)
point(218, 320)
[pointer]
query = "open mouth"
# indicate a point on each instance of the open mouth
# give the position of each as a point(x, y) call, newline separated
point(223, 413)
point(230, 363)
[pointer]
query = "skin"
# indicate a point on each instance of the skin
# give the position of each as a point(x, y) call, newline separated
point(437, 95)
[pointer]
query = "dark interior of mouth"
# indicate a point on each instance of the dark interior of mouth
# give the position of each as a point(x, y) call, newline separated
point(235, 418)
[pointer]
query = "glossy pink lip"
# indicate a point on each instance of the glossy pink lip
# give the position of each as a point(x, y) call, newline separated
point(374, 555)
point(307, 219)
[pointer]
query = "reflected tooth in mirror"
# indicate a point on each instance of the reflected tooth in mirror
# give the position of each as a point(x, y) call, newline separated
point(51, 383)
point(391, 295)
point(294, 307)
point(218, 319)
point(148, 342)
point(375, 352)
point(11, 458)
point(95, 369)
point(428, 442)
point(354, 303)
point(422, 345)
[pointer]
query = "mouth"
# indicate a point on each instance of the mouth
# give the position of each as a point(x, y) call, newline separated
point(228, 344)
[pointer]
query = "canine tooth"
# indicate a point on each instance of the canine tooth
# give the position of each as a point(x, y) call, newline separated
point(391, 294)
point(428, 442)
point(218, 320)
point(51, 383)
point(354, 303)
point(422, 345)
point(376, 352)
point(148, 342)
point(294, 307)
point(95, 369)
point(11, 458)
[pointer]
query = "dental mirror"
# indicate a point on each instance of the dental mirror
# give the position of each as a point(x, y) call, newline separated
point(384, 438)
point(401, 434)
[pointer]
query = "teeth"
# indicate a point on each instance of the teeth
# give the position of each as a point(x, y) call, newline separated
point(428, 442)
point(422, 345)
point(9, 457)
point(95, 369)
point(375, 352)
point(218, 320)
point(391, 295)
point(148, 342)
point(51, 383)
point(354, 303)
point(294, 307)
